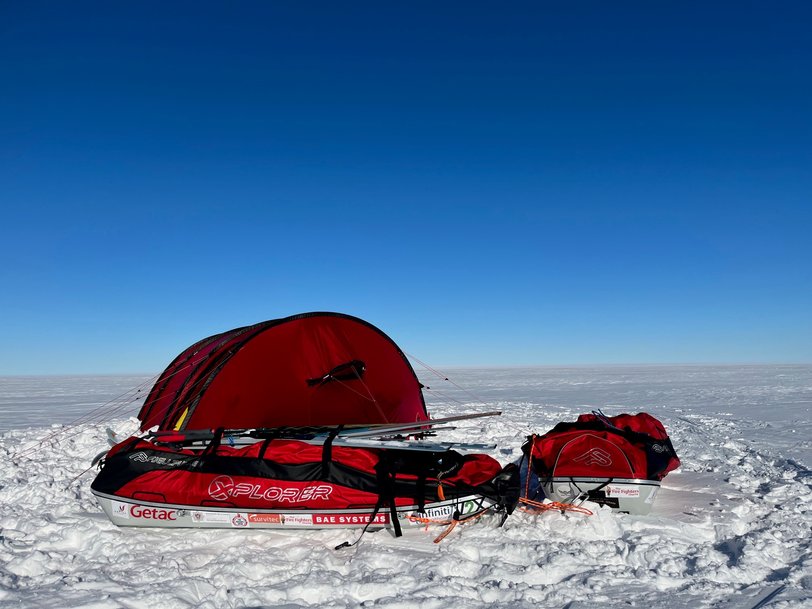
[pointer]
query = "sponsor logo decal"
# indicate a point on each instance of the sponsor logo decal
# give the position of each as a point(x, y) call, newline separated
point(239, 521)
point(298, 520)
point(348, 519)
point(469, 507)
point(142, 457)
point(595, 456)
point(149, 513)
point(120, 509)
point(622, 491)
point(266, 518)
point(447, 511)
point(221, 517)
point(223, 488)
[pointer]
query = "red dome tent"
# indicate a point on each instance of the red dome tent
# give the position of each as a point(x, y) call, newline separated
point(308, 369)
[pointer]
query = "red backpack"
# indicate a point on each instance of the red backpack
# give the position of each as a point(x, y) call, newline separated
point(625, 446)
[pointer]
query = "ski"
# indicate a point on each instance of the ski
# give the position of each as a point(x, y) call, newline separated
point(387, 429)
point(409, 445)
point(309, 433)
point(358, 442)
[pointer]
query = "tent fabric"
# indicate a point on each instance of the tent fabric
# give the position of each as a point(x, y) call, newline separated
point(313, 369)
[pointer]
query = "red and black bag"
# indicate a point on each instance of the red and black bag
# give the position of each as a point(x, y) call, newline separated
point(287, 474)
point(603, 459)
point(625, 446)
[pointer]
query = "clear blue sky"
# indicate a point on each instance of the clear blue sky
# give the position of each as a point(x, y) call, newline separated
point(527, 183)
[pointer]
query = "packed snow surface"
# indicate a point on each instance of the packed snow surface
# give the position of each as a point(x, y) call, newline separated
point(730, 528)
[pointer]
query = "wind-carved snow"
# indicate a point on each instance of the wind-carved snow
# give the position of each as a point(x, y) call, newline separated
point(730, 528)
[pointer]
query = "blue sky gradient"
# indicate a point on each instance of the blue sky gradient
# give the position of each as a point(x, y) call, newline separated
point(535, 183)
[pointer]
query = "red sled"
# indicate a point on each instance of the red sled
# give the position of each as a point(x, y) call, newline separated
point(283, 483)
point(614, 461)
point(279, 425)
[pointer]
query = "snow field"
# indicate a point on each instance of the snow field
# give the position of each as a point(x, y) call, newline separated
point(731, 526)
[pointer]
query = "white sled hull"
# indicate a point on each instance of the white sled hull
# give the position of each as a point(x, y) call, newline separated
point(129, 513)
point(624, 495)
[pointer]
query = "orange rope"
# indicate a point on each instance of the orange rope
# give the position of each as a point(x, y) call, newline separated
point(529, 466)
point(445, 533)
point(538, 506)
point(451, 523)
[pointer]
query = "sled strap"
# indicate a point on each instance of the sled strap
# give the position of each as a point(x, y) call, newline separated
point(386, 490)
point(584, 495)
point(386, 494)
point(421, 490)
point(214, 443)
point(374, 513)
point(393, 517)
point(348, 371)
point(327, 452)
point(264, 448)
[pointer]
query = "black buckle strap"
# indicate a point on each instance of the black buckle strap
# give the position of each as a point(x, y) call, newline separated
point(327, 452)
point(386, 494)
point(212, 446)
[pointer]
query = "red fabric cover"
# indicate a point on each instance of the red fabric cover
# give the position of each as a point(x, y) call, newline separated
point(590, 454)
point(639, 447)
point(183, 487)
point(247, 492)
point(477, 469)
point(257, 376)
point(642, 422)
point(166, 390)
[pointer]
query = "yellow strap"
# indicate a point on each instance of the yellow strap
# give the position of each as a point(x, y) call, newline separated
point(181, 420)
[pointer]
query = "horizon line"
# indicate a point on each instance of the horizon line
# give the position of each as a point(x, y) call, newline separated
point(466, 367)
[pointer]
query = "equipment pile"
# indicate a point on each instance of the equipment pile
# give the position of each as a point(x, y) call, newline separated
point(318, 420)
